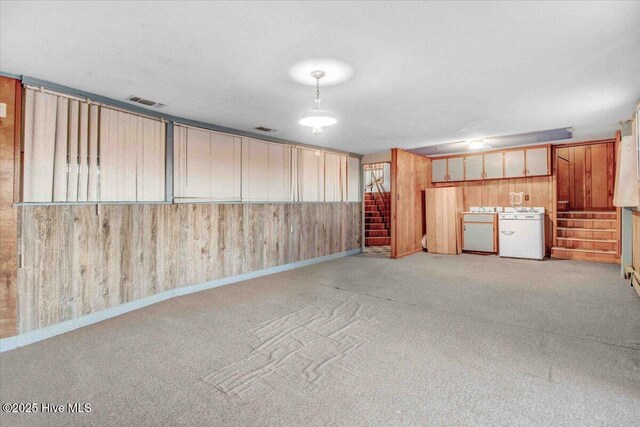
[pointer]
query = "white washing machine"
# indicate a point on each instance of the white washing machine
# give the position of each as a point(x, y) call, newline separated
point(521, 233)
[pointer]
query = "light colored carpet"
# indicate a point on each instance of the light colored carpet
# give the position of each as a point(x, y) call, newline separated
point(424, 340)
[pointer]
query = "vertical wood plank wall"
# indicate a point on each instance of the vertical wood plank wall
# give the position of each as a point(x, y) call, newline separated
point(590, 176)
point(635, 227)
point(495, 192)
point(10, 92)
point(410, 175)
point(79, 259)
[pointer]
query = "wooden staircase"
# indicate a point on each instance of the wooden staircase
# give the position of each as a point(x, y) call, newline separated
point(377, 219)
point(587, 235)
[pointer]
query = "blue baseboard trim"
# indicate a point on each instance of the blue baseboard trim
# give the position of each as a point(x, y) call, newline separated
point(31, 337)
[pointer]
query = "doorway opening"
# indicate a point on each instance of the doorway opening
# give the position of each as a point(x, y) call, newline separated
point(586, 223)
point(377, 209)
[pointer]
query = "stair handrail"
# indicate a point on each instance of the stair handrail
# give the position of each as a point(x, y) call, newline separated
point(376, 182)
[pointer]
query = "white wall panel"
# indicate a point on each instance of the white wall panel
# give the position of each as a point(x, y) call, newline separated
point(353, 185)
point(226, 162)
point(266, 171)
point(279, 172)
point(131, 155)
point(333, 178)
point(207, 165)
point(197, 178)
point(311, 175)
point(39, 145)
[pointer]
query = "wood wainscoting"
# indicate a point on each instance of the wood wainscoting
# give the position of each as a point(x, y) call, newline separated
point(10, 126)
point(80, 259)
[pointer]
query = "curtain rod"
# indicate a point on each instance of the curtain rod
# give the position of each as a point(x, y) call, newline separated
point(92, 102)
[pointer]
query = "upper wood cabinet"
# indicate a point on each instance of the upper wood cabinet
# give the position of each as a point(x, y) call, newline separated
point(514, 164)
point(510, 163)
point(447, 169)
point(537, 161)
point(493, 167)
point(473, 167)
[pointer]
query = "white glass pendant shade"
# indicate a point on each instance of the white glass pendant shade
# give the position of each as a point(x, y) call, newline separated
point(318, 118)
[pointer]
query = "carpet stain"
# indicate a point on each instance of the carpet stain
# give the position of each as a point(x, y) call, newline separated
point(301, 347)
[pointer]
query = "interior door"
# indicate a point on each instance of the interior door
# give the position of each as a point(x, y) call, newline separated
point(537, 161)
point(455, 167)
point(493, 166)
point(439, 170)
point(514, 164)
point(473, 167)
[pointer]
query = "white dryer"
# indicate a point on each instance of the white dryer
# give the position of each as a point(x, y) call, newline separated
point(521, 233)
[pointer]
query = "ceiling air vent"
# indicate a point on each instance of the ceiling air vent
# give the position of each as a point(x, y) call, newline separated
point(143, 101)
point(264, 129)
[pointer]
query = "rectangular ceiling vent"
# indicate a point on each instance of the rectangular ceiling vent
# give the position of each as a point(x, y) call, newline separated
point(143, 101)
point(264, 129)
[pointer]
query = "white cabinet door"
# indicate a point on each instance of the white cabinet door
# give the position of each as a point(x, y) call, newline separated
point(514, 164)
point(537, 163)
point(455, 167)
point(225, 167)
point(439, 170)
point(197, 174)
point(473, 167)
point(493, 166)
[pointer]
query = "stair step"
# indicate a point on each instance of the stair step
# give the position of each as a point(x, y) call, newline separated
point(586, 229)
point(585, 254)
point(588, 244)
point(587, 212)
point(374, 226)
point(377, 241)
point(373, 219)
point(587, 219)
point(376, 233)
point(588, 240)
point(594, 251)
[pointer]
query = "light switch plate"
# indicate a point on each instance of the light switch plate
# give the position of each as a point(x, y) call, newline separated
point(3, 110)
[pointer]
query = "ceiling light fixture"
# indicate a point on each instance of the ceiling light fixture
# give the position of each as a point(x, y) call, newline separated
point(318, 117)
point(476, 145)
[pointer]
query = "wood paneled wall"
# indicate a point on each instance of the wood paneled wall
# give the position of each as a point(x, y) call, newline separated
point(635, 226)
point(10, 94)
point(495, 192)
point(410, 175)
point(80, 259)
point(591, 173)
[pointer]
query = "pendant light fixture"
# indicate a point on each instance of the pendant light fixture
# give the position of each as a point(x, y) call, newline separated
point(318, 117)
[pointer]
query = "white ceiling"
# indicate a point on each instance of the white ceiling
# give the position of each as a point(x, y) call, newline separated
point(424, 73)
